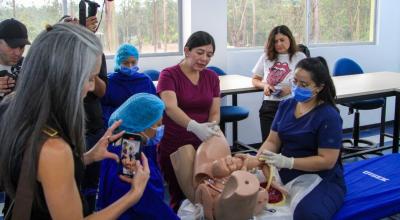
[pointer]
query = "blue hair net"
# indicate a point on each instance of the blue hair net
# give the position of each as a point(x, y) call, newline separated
point(124, 52)
point(138, 113)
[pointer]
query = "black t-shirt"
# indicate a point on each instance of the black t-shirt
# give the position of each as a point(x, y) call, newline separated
point(94, 115)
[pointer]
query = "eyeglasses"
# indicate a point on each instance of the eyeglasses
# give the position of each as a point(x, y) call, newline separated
point(298, 83)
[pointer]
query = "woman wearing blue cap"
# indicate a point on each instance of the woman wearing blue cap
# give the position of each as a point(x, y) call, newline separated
point(125, 81)
point(141, 114)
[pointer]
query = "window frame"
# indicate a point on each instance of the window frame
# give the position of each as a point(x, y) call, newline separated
point(319, 45)
point(180, 38)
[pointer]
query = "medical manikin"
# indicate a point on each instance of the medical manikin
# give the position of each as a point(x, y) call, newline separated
point(222, 184)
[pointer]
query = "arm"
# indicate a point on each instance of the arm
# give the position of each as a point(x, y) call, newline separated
point(99, 151)
point(101, 79)
point(59, 187)
point(273, 143)
point(257, 82)
point(172, 109)
point(325, 160)
point(214, 114)
point(100, 87)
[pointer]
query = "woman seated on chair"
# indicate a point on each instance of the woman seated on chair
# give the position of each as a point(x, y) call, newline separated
point(306, 138)
point(125, 81)
point(140, 114)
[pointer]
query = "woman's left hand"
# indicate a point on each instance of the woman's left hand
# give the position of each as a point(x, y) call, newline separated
point(99, 151)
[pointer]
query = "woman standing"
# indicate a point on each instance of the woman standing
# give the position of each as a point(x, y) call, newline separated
point(42, 130)
point(272, 73)
point(192, 97)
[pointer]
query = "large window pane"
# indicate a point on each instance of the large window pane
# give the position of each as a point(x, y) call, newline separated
point(250, 21)
point(342, 21)
point(152, 25)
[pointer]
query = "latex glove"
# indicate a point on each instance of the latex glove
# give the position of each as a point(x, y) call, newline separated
point(202, 130)
point(277, 160)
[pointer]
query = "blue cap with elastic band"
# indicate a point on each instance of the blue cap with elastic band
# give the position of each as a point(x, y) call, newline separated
point(138, 113)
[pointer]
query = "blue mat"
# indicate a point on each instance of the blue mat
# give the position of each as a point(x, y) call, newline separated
point(373, 188)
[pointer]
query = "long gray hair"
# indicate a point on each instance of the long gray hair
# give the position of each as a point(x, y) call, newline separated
point(48, 93)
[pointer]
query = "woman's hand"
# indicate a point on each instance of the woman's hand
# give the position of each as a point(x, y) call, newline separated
point(268, 89)
point(99, 151)
point(141, 176)
point(285, 90)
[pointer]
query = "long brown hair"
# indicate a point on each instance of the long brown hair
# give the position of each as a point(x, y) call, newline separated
point(269, 46)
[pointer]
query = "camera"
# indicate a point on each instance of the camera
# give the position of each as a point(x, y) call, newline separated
point(92, 10)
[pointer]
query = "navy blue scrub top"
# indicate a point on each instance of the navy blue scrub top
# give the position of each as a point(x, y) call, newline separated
point(301, 137)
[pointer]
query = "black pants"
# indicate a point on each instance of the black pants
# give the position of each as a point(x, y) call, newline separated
point(267, 114)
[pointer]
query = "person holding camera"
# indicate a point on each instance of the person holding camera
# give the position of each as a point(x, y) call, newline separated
point(13, 38)
point(42, 130)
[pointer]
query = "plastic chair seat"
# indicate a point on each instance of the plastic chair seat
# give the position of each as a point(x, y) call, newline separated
point(153, 74)
point(233, 113)
point(366, 104)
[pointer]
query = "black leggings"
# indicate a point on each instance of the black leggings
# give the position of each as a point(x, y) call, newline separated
point(267, 114)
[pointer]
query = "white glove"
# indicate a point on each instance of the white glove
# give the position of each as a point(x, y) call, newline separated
point(203, 130)
point(277, 160)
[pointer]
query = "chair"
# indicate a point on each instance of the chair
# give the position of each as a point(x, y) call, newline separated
point(346, 66)
point(231, 113)
point(153, 74)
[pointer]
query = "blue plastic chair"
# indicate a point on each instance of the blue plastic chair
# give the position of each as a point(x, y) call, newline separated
point(346, 66)
point(230, 113)
point(153, 74)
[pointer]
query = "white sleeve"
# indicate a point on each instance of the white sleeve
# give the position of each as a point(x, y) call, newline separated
point(259, 67)
point(299, 56)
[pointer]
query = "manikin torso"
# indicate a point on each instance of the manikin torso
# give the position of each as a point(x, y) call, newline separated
point(222, 183)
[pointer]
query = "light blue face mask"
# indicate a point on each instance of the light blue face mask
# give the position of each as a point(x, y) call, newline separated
point(301, 94)
point(157, 138)
point(129, 70)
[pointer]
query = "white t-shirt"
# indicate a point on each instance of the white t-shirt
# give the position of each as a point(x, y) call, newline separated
point(4, 67)
point(278, 72)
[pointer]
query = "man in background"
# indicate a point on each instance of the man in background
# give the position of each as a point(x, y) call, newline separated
point(13, 38)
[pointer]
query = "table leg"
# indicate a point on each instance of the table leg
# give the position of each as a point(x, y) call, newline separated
point(396, 124)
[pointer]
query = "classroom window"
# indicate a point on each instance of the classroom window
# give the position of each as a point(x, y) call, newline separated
point(312, 22)
point(153, 26)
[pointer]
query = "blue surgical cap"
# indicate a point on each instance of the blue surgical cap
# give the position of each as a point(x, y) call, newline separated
point(138, 113)
point(124, 52)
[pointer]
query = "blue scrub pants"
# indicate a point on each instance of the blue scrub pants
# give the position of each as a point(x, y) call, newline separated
point(321, 203)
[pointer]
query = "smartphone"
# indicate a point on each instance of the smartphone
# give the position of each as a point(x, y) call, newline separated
point(131, 148)
point(278, 90)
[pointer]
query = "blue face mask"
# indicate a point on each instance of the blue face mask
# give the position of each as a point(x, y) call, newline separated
point(301, 94)
point(129, 70)
point(157, 138)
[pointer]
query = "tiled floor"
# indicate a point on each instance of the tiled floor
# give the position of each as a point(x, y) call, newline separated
point(370, 134)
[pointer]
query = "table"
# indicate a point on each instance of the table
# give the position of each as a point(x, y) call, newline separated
point(367, 86)
point(234, 85)
point(348, 88)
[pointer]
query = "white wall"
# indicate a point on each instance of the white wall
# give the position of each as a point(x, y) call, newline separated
point(210, 16)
